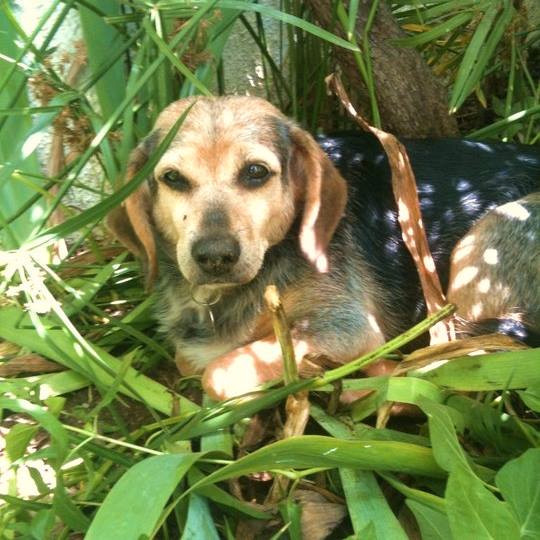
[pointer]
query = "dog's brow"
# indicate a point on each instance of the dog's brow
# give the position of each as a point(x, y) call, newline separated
point(280, 140)
point(279, 134)
point(151, 141)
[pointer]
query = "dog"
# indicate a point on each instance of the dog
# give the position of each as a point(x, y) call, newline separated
point(243, 198)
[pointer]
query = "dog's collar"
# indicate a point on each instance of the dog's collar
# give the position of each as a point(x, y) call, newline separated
point(206, 298)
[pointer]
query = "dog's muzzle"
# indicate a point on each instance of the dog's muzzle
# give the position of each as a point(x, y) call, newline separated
point(217, 254)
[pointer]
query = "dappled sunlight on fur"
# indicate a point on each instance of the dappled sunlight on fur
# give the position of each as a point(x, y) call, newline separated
point(319, 221)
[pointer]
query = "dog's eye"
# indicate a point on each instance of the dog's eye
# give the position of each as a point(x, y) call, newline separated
point(254, 175)
point(175, 180)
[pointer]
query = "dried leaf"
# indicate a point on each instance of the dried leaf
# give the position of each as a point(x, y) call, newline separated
point(455, 349)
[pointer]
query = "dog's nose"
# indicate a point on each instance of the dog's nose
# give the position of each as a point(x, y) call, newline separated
point(216, 254)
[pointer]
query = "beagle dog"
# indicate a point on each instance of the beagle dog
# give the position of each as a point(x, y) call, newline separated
point(243, 198)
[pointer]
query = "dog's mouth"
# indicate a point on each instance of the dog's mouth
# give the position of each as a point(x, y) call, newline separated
point(209, 294)
point(213, 284)
point(216, 282)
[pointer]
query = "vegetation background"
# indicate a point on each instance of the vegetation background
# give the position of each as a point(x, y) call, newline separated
point(100, 439)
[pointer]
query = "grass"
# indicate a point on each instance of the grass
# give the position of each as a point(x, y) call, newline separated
point(114, 445)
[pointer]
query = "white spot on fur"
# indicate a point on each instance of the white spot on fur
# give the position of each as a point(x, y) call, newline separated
point(464, 276)
point(462, 251)
point(477, 310)
point(491, 256)
point(372, 321)
point(484, 285)
point(236, 379)
point(513, 210)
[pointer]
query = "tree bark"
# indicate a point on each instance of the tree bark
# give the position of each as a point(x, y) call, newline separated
point(412, 101)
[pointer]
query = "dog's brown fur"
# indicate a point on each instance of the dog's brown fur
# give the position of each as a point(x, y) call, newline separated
point(219, 324)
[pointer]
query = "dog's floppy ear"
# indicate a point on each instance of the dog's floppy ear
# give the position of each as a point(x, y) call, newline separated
point(322, 194)
point(131, 222)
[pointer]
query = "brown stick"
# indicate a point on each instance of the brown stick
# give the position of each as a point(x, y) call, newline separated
point(283, 333)
point(297, 405)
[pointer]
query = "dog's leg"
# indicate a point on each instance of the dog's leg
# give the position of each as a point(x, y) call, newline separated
point(246, 368)
point(495, 268)
point(184, 366)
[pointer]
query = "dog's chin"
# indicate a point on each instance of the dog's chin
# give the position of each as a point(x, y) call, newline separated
point(204, 291)
point(216, 283)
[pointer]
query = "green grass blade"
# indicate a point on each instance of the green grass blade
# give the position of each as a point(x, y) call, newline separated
point(365, 500)
point(29, 42)
point(199, 522)
point(422, 497)
point(56, 384)
point(59, 438)
point(66, 509)
point(435, 33)
point(220, 496)
point(446, 448)
point(133, 506)
point(401, 389)
point(498, 371)
point(29, 111)
point(227, 413)
point(14, 132)
point(501, 125)
point(100, 39)
point(16, 327)
point(351, 16)
point(433, 523)
point(366, 504)
point(360, 431)
point(274, 14)
point(311, 451)
point(479, 51)
point(165, 50)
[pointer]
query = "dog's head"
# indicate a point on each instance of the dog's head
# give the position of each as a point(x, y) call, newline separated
point(230, 185)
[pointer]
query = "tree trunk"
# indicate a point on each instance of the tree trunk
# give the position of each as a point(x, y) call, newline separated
point(412, 101)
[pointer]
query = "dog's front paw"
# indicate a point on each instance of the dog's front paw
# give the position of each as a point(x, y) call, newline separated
point(245, 369)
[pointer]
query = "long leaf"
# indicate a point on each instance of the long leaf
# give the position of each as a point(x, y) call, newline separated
point(311, 451)
point(275, 14)
point(16, 327)
point(363, 495)
point(480, 50)
point(498, 371)
point(59, 438)
point(134, 504)
point(435, 33)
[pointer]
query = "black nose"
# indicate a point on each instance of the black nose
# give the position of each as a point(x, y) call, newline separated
point(216, 254)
